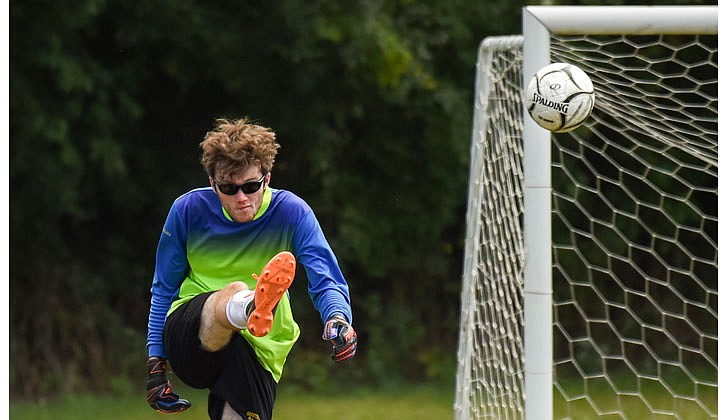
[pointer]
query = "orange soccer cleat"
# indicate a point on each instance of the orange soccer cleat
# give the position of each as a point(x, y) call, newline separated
point(273, 282)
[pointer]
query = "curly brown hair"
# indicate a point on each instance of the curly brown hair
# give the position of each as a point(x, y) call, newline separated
point(234, 145)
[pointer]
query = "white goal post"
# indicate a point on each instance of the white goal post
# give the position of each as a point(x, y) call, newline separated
point(590, 270)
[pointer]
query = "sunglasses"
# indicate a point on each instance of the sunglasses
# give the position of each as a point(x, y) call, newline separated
point(247, 188)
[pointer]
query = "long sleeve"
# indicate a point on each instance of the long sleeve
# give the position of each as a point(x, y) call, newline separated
point(327, 287)
point(170, 270)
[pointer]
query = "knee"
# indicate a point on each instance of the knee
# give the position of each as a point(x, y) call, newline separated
point(215, 307)
point(232, 288)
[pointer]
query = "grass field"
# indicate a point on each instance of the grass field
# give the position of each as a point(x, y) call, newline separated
point(412, 403)
point(406, 403)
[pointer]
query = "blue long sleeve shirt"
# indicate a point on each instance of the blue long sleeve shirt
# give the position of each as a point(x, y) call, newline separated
point(202, 249)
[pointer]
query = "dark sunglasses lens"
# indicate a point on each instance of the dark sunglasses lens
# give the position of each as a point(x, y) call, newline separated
point(229, 189)
point(251, 187)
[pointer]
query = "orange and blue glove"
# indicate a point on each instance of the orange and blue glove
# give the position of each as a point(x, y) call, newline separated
point(159, 393)
point(342, 337)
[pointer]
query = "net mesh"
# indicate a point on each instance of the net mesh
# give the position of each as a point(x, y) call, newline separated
point(491, 356)
point(635, 231)
point(634, 235)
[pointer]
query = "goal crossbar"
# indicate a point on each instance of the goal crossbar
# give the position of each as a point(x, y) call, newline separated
point(634, 20)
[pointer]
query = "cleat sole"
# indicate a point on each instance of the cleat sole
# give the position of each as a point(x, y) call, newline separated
point(273, 282)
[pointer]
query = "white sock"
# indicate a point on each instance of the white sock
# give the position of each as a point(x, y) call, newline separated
point(237, 308)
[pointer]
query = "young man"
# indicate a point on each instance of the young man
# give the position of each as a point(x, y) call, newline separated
point(220, 324)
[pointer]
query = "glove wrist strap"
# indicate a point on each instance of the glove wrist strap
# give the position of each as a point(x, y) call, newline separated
point(156, 368)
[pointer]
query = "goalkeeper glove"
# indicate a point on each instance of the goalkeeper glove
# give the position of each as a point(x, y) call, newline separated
point(159, 394)
point(342, 337)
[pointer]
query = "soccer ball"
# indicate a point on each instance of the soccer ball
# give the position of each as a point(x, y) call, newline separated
point(560, 97)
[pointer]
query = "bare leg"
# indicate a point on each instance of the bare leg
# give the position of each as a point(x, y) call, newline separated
point(229, 414)
point(215, 329)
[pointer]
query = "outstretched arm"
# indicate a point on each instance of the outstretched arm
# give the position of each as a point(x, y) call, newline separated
point(327, 287)
point(170, 270)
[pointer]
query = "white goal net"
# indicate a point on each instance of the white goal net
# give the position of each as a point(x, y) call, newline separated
point(632, 209)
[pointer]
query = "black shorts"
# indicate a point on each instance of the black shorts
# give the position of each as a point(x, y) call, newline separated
point(232, 374)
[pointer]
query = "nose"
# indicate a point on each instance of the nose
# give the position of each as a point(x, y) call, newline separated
point(240, 195)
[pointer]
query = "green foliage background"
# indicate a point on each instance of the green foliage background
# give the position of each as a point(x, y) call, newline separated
point(109, 99)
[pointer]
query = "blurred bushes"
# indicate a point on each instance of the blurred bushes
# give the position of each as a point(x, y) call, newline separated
point(108, 101)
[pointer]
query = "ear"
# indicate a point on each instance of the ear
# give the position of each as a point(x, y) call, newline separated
point(212, 182)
